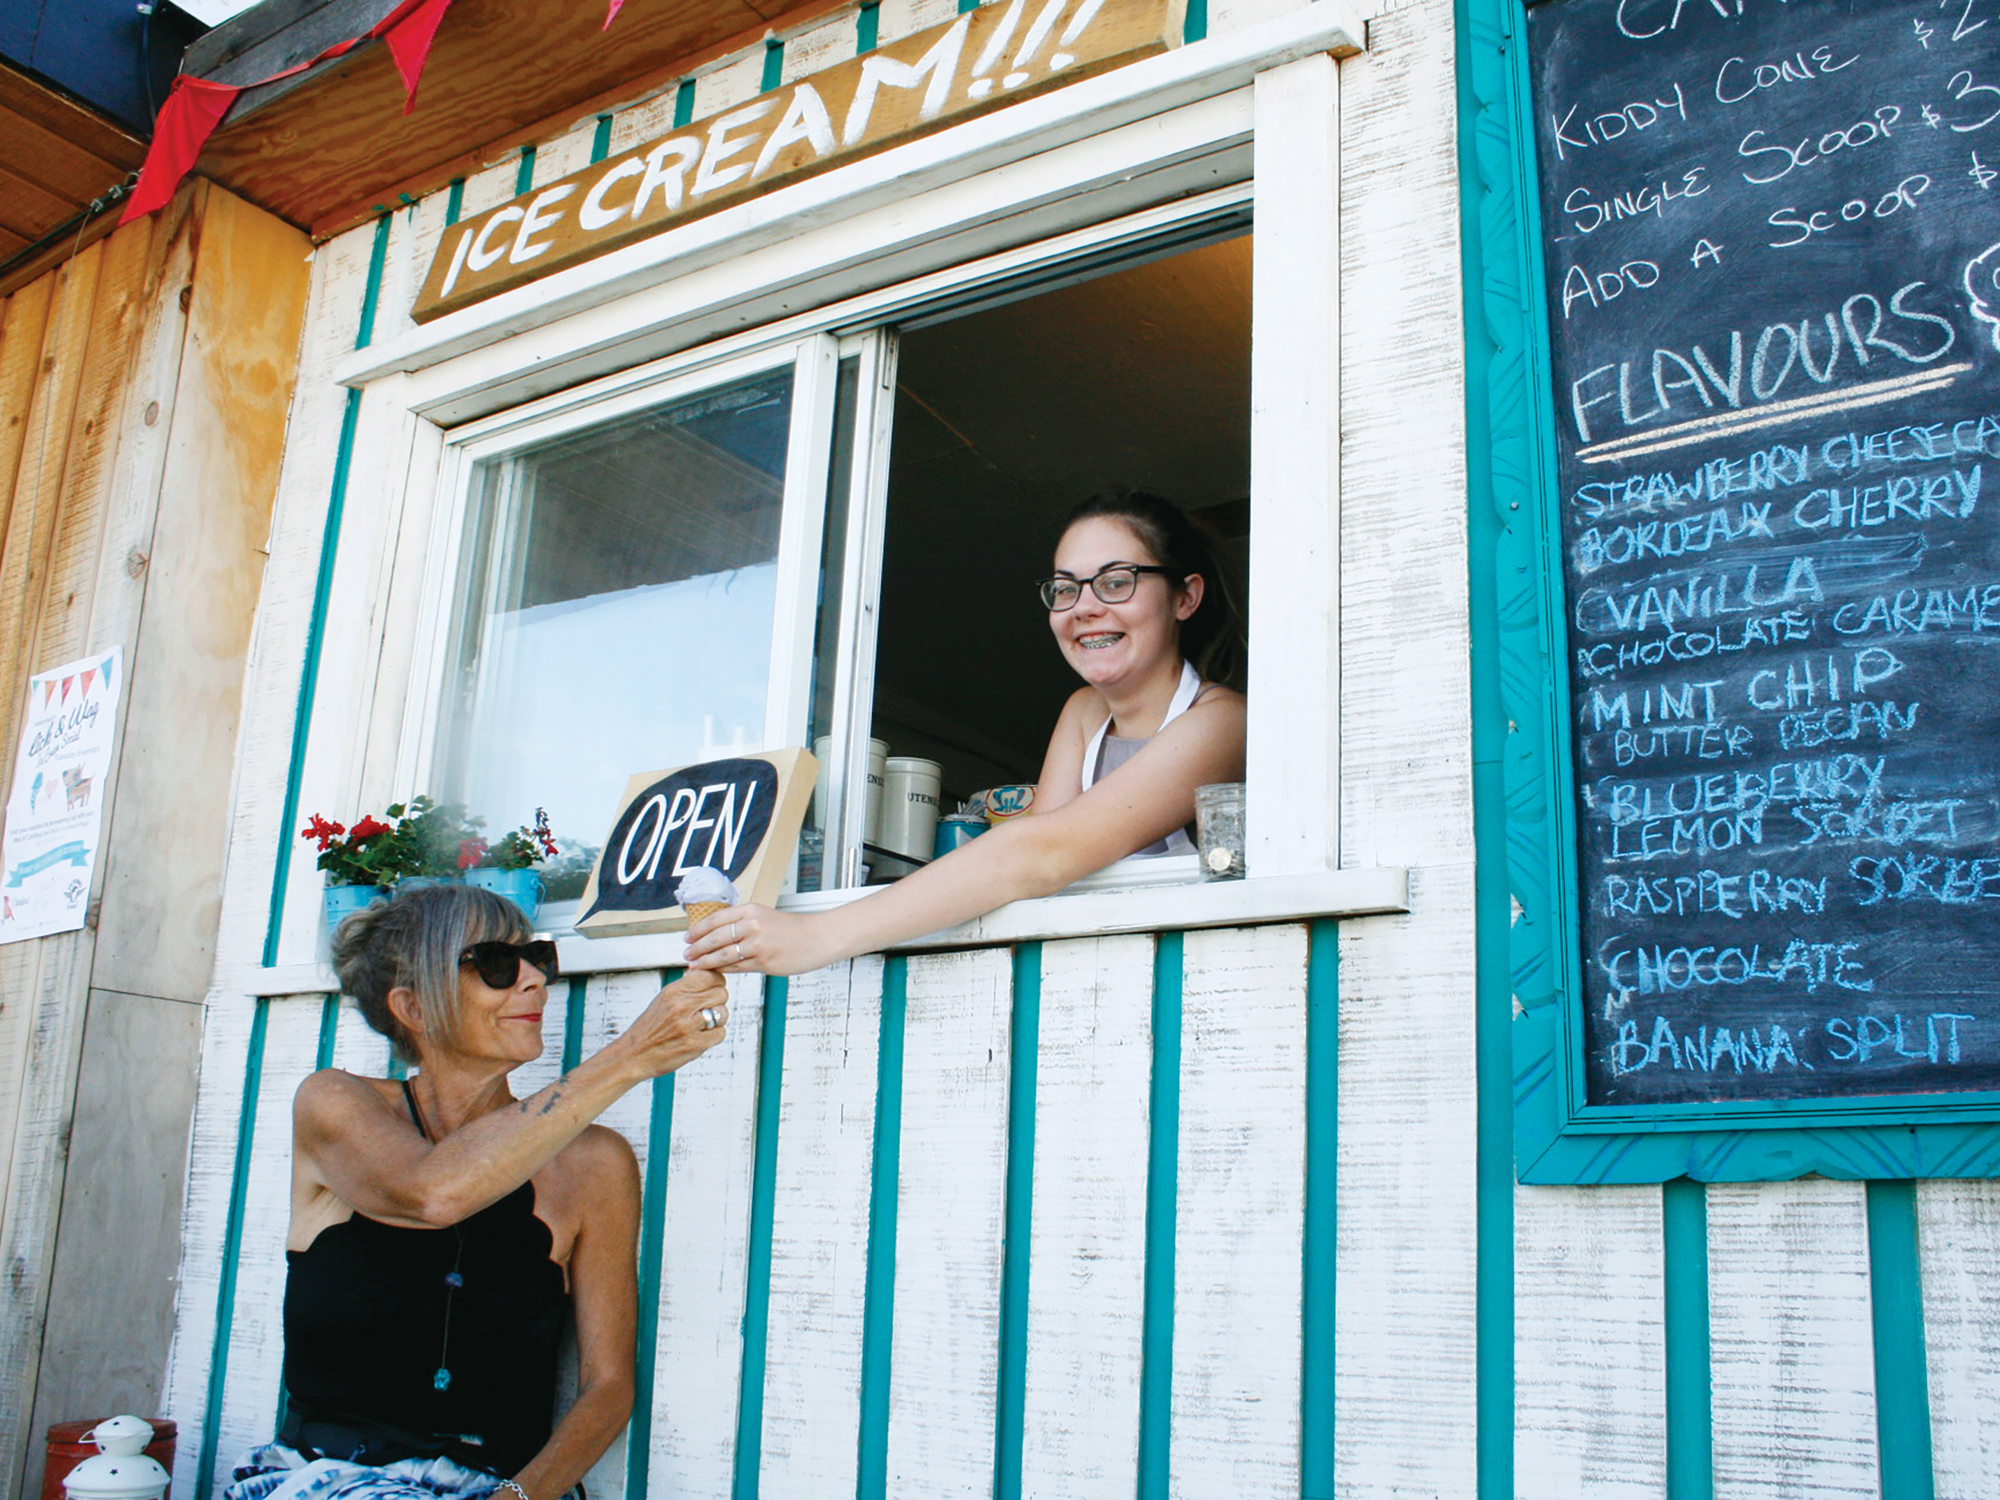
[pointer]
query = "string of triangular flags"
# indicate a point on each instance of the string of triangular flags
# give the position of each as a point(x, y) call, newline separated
point(80, 680)
point(195, 106)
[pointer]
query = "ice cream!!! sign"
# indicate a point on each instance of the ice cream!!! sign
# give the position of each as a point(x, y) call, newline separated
point(987, 57)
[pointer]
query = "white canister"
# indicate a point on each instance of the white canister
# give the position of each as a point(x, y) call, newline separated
point(910, 805)
point(878, 771)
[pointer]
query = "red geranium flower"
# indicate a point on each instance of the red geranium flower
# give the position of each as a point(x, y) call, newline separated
point(471, 852)
point(367, 828)
point(322, 832)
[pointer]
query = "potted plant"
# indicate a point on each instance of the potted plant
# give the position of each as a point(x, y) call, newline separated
point(360, 863)
point(506, 864)
point(421, 841)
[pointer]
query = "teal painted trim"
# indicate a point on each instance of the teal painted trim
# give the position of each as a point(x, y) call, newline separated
point(329, 1026)
point(652, 1254)
point(1493, 1226)
point(1156, 1337)
point(966, 5)
point(1010, 1405)
point(232, 1247)
point(1902, 1374)
point(1320, 1251)
point(878, 1318)
point(371, 296)
point(1690, 1411)
point(684, 103)
point(524, 173)
point(774, 64)
point(757, 1274)
point(600, 139)
point(1194, 25)
point(868, 27)
point(454, 200)
point(343, 463)
point(579, 990)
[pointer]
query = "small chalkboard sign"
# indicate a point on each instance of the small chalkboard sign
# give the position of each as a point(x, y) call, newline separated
point(1770, 236)
point(740, 816)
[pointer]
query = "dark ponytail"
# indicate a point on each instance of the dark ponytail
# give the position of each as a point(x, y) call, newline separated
point(1212, 637)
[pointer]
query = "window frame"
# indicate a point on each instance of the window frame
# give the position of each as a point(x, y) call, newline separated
point(1034, 186)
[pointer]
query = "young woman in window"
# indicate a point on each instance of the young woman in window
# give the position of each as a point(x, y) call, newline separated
point(1138, 608)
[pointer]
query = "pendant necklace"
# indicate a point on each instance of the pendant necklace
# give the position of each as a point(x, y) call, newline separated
point(453, 1280)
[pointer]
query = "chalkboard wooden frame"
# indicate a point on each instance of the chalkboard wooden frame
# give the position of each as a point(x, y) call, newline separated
point(1524, 791)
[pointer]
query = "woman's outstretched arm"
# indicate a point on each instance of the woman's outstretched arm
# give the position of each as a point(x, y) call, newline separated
point(349, 1141)
point(1138, 804)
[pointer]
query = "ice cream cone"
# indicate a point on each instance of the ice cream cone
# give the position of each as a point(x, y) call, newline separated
point(697, 910)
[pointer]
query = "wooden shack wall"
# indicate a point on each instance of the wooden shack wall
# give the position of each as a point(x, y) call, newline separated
point(1428, 1328)
point(144, 386)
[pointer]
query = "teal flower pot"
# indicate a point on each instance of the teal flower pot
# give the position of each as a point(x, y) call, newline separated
point(522, 887)
point(343, 901)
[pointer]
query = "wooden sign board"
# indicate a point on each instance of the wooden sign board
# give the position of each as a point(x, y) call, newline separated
point(985, 58)
point(740, 815)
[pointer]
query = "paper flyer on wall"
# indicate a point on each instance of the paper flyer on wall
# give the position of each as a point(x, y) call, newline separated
point(54, 813)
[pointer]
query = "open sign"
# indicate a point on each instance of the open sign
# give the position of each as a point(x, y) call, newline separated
point(740, 815)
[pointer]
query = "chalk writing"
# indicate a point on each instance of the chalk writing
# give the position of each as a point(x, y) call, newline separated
point(1773, 294)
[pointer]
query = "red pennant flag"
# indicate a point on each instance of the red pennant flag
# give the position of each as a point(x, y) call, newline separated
point(409, 32)
point(88, 674)
point(66, 682)
point(186, 121)
point(196, 105)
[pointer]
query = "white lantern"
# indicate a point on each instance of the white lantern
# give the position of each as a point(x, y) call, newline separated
point(121, 1470)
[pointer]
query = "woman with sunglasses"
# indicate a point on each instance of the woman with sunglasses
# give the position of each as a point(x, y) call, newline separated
point(443, 1232)
point(1138, 608)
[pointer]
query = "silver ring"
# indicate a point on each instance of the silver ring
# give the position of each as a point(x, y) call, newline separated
point(710, 1018)
point(732, 932)
point(739, 954)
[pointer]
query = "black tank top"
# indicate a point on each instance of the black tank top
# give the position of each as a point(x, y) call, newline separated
point(369, 1312)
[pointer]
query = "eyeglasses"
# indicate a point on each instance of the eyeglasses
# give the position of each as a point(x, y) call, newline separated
point(499, 964)
point(1113, 584)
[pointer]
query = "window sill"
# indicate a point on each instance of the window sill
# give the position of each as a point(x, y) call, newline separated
point(1124, 898)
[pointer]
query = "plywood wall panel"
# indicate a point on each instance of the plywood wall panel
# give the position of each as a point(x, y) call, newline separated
point(1792, 1344)
point(698, 1353)
point(950, 1225)
point(226, 1037)
point(1239, 1215)
point(1087, 1255)
point(1958, 1229)
point(248, 1414)
point(819, 1245)
point(1589, 1344)
point(1406, 1335)
point(198, 555)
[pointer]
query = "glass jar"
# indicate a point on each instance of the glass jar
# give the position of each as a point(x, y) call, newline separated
point(1218, 819)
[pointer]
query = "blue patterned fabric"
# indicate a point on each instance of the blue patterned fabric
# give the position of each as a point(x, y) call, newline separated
point(275, 1472)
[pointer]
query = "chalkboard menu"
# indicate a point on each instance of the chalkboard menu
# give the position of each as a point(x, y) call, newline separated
point(1771, 235)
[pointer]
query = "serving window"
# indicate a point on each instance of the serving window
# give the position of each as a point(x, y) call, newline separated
point(843, 538)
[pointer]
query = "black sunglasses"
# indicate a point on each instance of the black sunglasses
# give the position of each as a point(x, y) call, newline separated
point(1113, 584)
point(499, 964)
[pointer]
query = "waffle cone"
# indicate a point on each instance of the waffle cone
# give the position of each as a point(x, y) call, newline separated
point(696, 910)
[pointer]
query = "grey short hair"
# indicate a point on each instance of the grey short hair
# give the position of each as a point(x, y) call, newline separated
point(413, 941)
